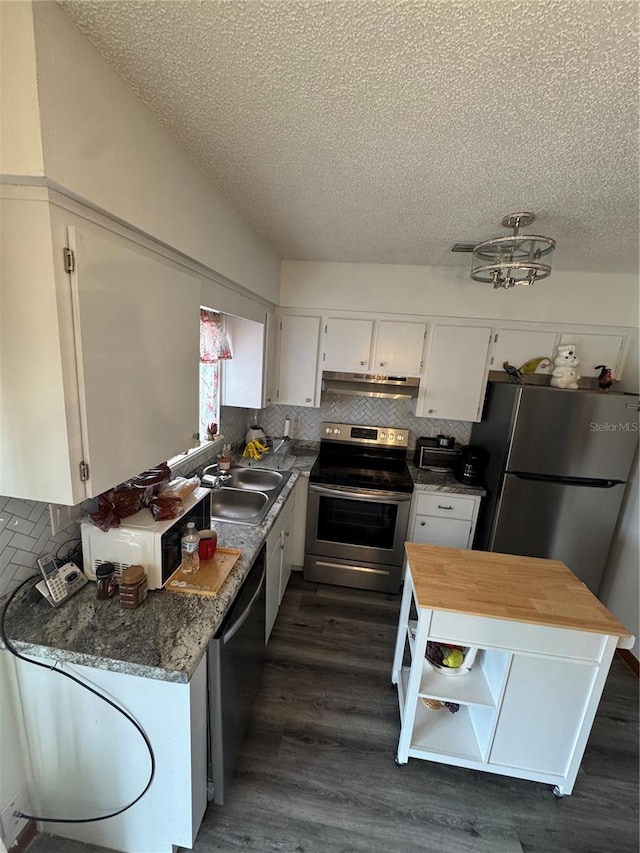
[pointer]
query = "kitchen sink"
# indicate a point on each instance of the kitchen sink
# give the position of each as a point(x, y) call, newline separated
point(247, 504)
point(254, 478)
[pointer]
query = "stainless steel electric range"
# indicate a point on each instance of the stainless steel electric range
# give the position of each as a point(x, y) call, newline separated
point(358, 511)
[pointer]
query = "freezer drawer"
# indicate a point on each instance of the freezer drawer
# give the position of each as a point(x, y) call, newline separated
point(571, 523)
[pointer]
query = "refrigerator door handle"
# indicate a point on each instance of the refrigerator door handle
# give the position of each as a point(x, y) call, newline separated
point(569, 481)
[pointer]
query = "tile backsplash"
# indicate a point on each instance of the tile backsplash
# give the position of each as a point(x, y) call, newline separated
point(369, 411)
point(25, 526)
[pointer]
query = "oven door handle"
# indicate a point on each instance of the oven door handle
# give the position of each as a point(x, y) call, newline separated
point(348, 492)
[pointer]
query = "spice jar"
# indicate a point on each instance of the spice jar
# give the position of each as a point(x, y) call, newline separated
point(133, 589)
point(106, 583)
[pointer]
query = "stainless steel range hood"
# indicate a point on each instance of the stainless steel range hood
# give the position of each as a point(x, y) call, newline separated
point(370, 385)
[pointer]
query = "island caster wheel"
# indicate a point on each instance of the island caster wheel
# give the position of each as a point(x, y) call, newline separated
point(557, 793)
point(397, 760)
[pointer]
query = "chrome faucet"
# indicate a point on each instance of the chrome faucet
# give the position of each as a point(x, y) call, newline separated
point(213, 477)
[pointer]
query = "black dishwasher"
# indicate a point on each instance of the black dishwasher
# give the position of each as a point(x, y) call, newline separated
point(236, 662)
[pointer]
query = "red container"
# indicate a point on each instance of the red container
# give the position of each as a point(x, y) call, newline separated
point(207, 547)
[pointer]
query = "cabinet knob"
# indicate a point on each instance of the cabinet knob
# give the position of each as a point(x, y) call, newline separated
point(362, 363)
point(382, 363)
point(431, 411)
point(307, 399)
point(422, 523)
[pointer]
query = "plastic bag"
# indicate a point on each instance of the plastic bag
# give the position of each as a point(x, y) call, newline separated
point(163, 508)
point(179, 488)
point(131, 496)
point(115, 505)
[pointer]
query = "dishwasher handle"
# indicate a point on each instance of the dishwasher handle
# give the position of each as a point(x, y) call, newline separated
point(242, 618)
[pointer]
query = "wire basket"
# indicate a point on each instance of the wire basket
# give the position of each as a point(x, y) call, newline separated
point(439, 653)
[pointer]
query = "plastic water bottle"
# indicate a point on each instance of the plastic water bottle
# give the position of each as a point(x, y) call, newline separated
point(190, 545)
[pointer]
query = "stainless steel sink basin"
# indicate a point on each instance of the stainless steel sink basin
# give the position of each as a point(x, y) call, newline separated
point(237, 504)
point(247, 496)
point(254, 478)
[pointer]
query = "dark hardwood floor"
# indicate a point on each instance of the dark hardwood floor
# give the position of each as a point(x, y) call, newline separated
point(318, 774)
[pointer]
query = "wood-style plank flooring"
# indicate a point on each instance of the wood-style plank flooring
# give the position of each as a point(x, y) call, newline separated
point(318, 774)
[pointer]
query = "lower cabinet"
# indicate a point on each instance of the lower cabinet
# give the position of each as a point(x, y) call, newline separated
point(443, 518)
point(278, 570)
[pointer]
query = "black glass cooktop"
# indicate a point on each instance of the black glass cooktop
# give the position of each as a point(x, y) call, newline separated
point(386, 471)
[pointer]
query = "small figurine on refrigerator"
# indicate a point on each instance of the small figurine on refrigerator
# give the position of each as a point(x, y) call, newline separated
point(565, 372)
point(605, 380)
point(513, 373)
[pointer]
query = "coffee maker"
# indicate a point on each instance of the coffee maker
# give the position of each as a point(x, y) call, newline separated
point(470, 466)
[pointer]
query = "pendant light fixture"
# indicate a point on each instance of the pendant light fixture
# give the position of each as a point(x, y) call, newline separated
point(516, 259)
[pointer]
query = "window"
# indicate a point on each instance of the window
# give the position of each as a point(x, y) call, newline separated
point(214, 347)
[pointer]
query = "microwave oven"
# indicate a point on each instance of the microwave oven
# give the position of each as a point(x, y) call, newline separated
point(141, 540)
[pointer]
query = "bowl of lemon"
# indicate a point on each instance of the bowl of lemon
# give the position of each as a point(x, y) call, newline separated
point(449, 659)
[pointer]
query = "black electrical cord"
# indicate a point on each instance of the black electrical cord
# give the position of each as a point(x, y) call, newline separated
point(143, 734)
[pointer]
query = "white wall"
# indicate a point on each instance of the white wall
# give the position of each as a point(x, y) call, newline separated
point(102, 145)
point(20, 142)
point(565, 297)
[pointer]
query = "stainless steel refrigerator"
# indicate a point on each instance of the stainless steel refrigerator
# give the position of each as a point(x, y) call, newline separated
point(557, 471)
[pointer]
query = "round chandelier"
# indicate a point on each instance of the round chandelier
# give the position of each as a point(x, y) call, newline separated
point(516, 259)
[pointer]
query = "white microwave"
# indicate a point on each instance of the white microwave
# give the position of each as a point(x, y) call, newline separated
point(141, 540)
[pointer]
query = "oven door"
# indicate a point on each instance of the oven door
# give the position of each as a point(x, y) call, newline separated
point(353, 524)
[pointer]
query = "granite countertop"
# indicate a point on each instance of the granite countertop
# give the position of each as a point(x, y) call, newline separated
point(164, 639)
point(430, 481)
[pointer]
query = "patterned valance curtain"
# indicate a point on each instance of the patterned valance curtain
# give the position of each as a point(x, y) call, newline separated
point(214, 345)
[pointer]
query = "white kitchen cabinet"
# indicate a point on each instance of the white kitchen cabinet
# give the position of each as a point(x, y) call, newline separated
point(368, 346)
point(347, 345)
point(299, 523)
point(298, 360)
point(243, 374)
point(398, 348)
point(443, 518)
point(454, 382)
point(270, 373)
point(104, 761)
point(543, 646)
point(517, 346)
point(278, 566)
point(99, 363)
point(597, 349)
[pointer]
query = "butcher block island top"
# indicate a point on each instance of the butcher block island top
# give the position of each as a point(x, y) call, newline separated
point(509, 587)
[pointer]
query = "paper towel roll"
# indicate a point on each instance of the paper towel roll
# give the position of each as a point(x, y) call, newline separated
point(287, 427)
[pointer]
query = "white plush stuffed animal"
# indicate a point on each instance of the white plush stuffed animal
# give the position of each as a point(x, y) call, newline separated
point(565, 373)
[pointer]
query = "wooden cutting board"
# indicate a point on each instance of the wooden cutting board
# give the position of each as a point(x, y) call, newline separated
point(210, 577)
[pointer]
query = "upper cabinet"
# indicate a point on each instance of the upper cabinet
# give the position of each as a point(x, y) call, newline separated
point(596, 350)
point(347, 345)
point(99, 352)
point(369, 346)
point(518, 346)
point(298, 360)
point(454, 382)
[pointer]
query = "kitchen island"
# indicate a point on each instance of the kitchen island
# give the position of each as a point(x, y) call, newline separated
point(543, 644)
point(85, 758)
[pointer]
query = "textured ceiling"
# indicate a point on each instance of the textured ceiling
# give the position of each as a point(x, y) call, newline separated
point(377, 131)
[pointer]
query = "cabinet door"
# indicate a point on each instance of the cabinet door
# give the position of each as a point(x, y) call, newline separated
point(272, 588)
point(348, 345)
point(287, 551)
point(298, 362)
point(399, 348)
point(299, 521)
point(537, 728)
point(136, 319)
point(448, 532)
point(455, 380)
point(597, 349)
point(518, 346)
point(243, 373)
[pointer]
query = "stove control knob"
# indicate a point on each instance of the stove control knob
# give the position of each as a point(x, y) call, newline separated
point(336, 431)
point(383, 435)
point(328, 430)
point(391, 436)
